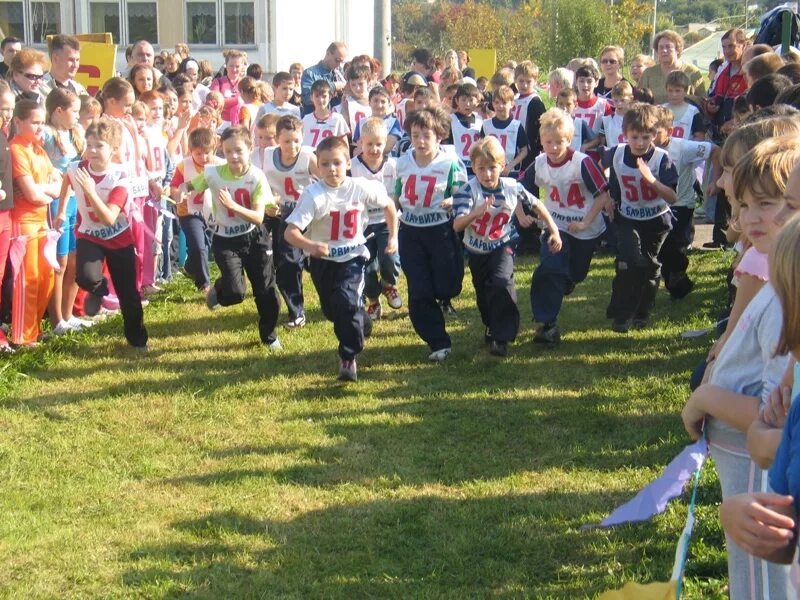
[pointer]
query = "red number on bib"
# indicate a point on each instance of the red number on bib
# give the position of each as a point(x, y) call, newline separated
point(410, 190)
point(588, 117)
point(288, 188)
point(516, 111)
point(466, 143)
point(632, 192)
point(678, 132)
point(315, 137)
point(503, 139)
point(158, 162)
point(359, 116)
point(574, 197)
point(242, 197)
point(350, 222)
point(499, 221)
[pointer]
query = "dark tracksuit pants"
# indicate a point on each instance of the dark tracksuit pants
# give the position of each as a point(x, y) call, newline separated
point(673, 254)
point(633, 291)
point(340, 286)
point(122, 267)
point(722, 214)
point(251, 254)
point(197, 243)
point(495, 291)
point(382, 269)
point(289, 274)
point(433, 262)
point(558, 274)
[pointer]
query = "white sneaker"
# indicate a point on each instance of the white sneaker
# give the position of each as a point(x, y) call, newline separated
point(63, 328)
point(393, 296)
point(439, 355)
point(80, 323)
point(149, 290)
point(274, 346)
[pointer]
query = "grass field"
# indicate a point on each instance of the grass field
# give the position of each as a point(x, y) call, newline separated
point(209, 469)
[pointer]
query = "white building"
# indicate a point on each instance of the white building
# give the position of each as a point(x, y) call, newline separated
point(274, 33)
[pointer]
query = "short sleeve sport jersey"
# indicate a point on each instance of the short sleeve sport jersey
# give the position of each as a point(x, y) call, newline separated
point(200, 203)
point(249, 190)
point(385, 175)
point(315, 130)
point(338, 216)
point(288, 181)
point(421, 190)
point(569, 189)
point(112, 189)
point(685, 154)
point(634, 197)
point(494, 228)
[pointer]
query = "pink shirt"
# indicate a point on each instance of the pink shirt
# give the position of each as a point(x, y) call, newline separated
point(230, 109)
point(754, 263)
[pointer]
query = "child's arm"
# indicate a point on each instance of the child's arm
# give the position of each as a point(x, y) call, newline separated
point(391, 141)
point(763, 442)
point(390, 214)
point(38, 193)
point(748, 287)
point(600, 202)
point(254, 215)
point(554, 239)
point(107, 213)
point(737, 410)
point(521, 155)
point(666, 192)
point(762, 524)
point(313, 168)
point(295, 237)
point(766, 433)
point(61, 216)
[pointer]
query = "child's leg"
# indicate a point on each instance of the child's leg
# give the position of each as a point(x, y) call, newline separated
point(652, 234)
point(340, 286)
point(551, 280)
point(230, 286)
point(289, 275)
point(196, 264)
point(674, 261)
point(261, 272)
point(166, 245)
point(152, 242)
point(122, 267)
point(89, 267)
point(479, 271)
point(137, 229)
point(5, 243)
point(447, 259)
point(33, 284)
point(416, 256)
point(626, 288)
point(389, 264)
point(501, 295)
point(372, 285)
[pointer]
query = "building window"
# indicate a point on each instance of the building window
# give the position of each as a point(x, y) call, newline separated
point(127, 22)
point(29, 20)
point(12, 22)
point(45, 20)
point(220, 23)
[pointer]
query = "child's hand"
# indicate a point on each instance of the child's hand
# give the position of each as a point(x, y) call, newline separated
point(58, 222)
point(506, 170)
point(447, 203)
point(777, 406)
point(226, 199)
point(754, 526)
point(480, 208)
point(318, 249)
point(693, 416)
point(644, 169)
point(155, 189)
point(83, 179)
point(525, 220)
point(273, 208)
point(576, 226)
point(391, 245)
point(184, 119)
point(554, 242)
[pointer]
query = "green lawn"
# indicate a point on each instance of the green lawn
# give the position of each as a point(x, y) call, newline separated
point(209, 469)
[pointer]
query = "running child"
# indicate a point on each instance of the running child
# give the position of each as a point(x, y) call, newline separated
point(484, 210)
point(642, 183)
point(383, 268)
point(289, 168)
point(355, 106)
point(381, 105)
point(282, 86)
point(430, 252)
point(465, 122)
point(611, 128)
point(322, 122)
point(508, 130)
point(575, 192)
point(583, 138)
point(241, 243)
point(328, 224)
point(590, 107)
point(254, 95)
point(687, 120)
point(265, 137)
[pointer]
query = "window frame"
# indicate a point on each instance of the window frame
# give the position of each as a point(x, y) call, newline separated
point(64, 19)
point(219, 14)
point(124, 30)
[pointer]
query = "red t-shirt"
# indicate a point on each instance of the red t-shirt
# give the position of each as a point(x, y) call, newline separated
point(118, 196)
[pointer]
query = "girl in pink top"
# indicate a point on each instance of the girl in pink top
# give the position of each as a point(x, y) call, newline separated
point(227, 85)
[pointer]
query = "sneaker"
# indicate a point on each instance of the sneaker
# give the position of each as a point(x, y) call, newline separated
point(296, 323)
point(448, 310)
point(621, 325)
point(374, 310)
point(498, 348)
point(145, 304)
point(92, 305)
point(713, 246)
point(439, 355)
point(105, 312)
point(110, 302)
point(6, 349)
point(63, 328)
point(211, 298)
point(547, 334)
point(141, 350)
point(640, 322)
point(570, 288)
point(151, 289)
point(275, 345)
point(347, 370)
point(393, 296)
point(77, 323)
point(680, 287)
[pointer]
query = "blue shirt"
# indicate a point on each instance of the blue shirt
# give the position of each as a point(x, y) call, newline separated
point(315, 73)
point(784, 475)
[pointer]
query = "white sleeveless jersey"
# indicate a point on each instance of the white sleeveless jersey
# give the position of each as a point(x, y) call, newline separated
point(258, 155)
point(507, 136)
point(594, 114)
point(338, 216)
point(355, 112)
point(386, 175)
point(401, 110)
point(423, 188)
point(242, 189)
point(520, 109)
point(288, 182)
point(577, 136)
point(494, 228)
point(90, 224)
point(464, 137)
point(155, 156)
point(638, 200)
point(612, 130)
point(682, 121)
point(566, 196)
point(685, 154)
point(316, 130)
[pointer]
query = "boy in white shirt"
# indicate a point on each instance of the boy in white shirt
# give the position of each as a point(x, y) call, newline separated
point(282, 86)
point(322, 122)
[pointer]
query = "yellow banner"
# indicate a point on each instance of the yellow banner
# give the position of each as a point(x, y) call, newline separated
point(636, 591)
point(98, 60)
point(484, 62)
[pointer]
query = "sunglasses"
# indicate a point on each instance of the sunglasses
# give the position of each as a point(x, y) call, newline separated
point(609, 61)
point(32, 76)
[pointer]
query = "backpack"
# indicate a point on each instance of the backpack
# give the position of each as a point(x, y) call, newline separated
point(772, 25)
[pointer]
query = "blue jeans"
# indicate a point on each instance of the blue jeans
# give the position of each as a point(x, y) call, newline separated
point(197, 243)
point(382, 269)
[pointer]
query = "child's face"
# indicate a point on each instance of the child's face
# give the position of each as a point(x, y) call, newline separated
point(488, 172)
point(661, 138)
point(180, 105)
point(502, 108)
point(289, 143)
point(121, 107)
point(447, 101)
point(333, 165)
point(68, 117)
point(639, 141)
point(585, 86)
point(265, 137)
point(392, 87)
point(33, 126)
point(380, 105)
point(140, 118)
point(321, 100)
point(283, 92)
point(524, 84)
point(567, 106)
point(791, 197)
point(237, 154)
point(555, 144)
point(373, 146)
point(202, 156)
point(143, 80)
point(424, 141)
point(359, 87)
point(423, 102)
point(98, 153)
point(554, 88)
point(675, 95)
point(6, 108)
point(467, 104)
point(621, 104)
point(637, 68)
point(758, 218)
point(156, 111)
point(725, 181)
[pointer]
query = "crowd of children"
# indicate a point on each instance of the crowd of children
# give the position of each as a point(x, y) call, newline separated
point(407, 176)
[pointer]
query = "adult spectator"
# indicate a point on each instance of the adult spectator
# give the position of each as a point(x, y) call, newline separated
point(422, 62)
point(228, 85)
point(142, 53)
point(669, 46)
point(329, 69)
point(25, 74)
point(729, 84)
point(191, 69)
point(611, 60)
point(463, 63)
point(8, 47)
point(65, 58)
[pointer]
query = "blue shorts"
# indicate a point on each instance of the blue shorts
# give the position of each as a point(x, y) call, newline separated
point(66, 243)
